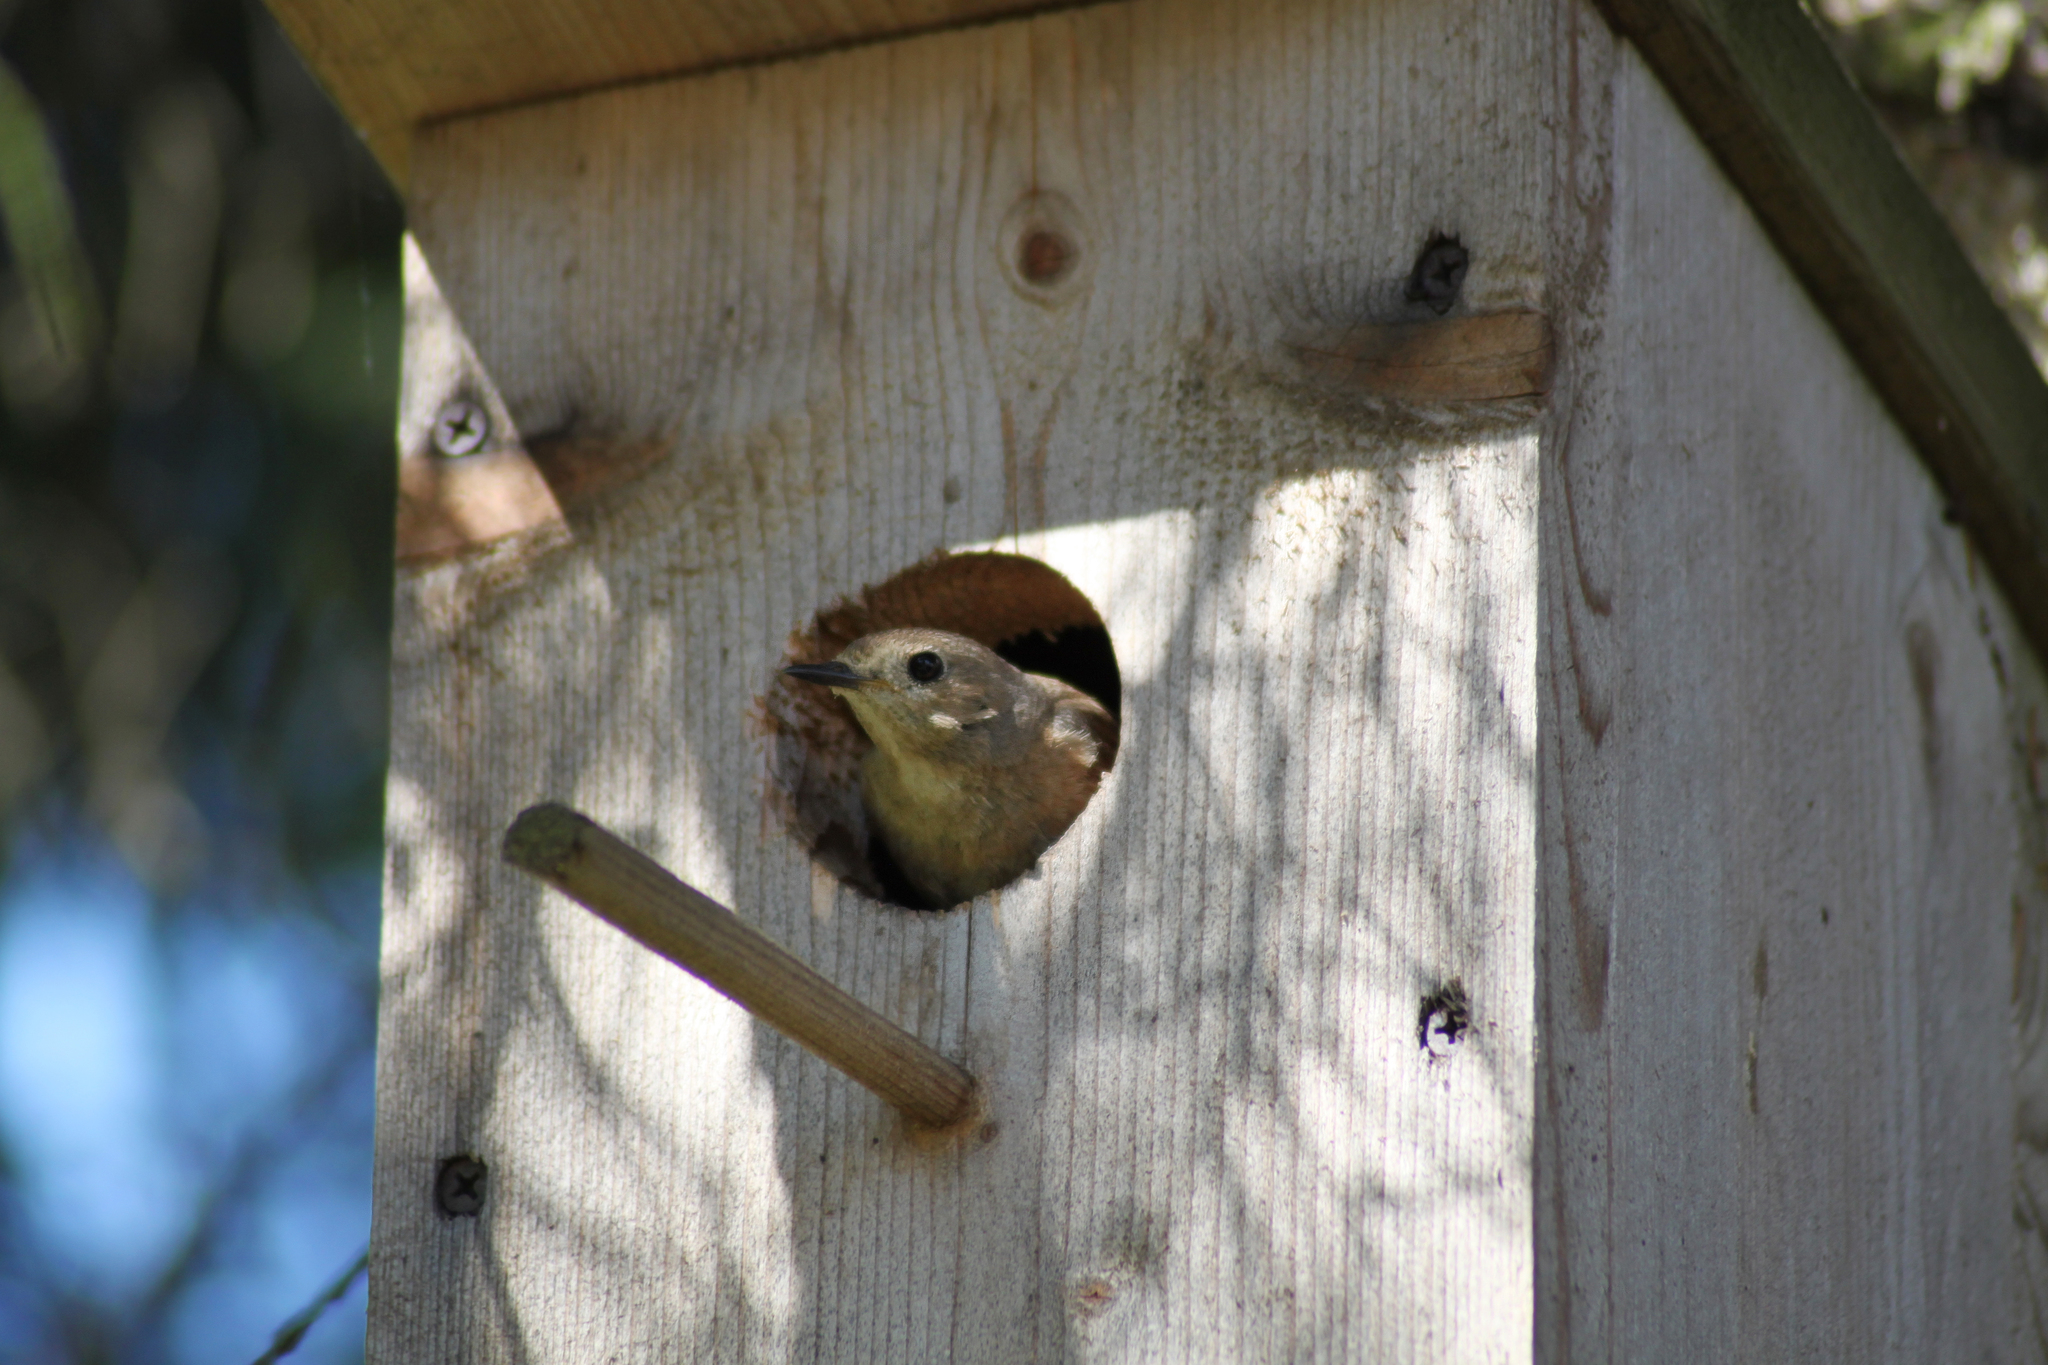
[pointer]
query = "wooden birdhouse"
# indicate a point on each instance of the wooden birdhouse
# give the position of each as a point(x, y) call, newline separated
point(1560, 529)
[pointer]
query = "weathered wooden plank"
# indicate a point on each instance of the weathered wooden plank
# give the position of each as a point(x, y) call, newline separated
point(2027, 725)
point(1494, 355)
point(1710, 774)
point(1767, 97)
point(393, 65)
point(1754, 78)
point(815, 284)
point(1779, 807)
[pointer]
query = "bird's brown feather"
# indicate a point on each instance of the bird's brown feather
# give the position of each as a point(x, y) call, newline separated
point(977, 769)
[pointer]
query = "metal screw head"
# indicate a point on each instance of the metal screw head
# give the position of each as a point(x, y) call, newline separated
point(460, 428)
point(1438, 274)
point(1445, 1016)
point(459, 1187)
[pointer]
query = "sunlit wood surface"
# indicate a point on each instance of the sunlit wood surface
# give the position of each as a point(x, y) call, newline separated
point(1647, 695)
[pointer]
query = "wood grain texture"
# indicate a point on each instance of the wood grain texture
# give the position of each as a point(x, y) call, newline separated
point(1216, 1135)
point(1663, 711)
point(453, 506)
point(643, 900)
point(1754, 78)
point(2027, 726)
point(1495, 355)
point(393, 65)
point(1763, 92)
point(1780, 815)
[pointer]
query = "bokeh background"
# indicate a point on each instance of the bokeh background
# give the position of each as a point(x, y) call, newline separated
point(198, 359)
point(199, 317)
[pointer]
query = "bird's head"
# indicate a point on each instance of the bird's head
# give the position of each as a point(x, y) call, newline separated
point(932, 694)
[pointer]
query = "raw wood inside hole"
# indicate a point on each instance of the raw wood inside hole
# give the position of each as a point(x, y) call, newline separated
point(1021, 608)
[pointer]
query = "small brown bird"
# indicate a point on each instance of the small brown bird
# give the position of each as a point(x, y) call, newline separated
point(977, 766)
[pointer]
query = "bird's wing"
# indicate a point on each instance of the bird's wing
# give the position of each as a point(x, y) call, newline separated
point(1072, 703)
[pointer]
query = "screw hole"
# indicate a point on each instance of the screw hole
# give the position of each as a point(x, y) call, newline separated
point(459, 1187)
point(1439, 274)
point(1445, 1016)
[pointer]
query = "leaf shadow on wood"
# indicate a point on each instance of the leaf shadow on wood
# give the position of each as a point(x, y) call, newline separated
point(1226, 977)
point(1273, 959)
point(1223, 1055)
point(1221, 969)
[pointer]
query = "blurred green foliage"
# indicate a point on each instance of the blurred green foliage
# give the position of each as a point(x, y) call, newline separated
point(199, 314)
point(1963, 87)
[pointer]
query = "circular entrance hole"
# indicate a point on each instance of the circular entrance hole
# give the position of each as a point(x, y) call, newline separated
point(1024, 610)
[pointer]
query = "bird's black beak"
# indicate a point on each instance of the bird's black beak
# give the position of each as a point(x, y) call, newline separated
point(832, 674)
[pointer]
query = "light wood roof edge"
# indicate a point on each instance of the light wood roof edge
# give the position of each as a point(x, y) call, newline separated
point(394, 65)
point(1759, 84)
point(1755, 79)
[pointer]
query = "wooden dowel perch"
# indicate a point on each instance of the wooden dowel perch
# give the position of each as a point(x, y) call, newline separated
point(594, 867)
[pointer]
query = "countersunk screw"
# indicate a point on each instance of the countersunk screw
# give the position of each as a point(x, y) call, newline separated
point(1445, 1016)
point(1439, 273)
point(460, 428)
point(459, 1188)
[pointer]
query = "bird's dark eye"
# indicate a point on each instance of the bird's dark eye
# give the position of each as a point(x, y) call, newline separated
point(926, 666)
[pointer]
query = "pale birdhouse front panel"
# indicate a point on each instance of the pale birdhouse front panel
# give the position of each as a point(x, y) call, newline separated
point(1030, 289)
